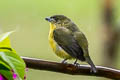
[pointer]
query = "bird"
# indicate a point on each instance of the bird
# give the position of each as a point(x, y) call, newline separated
point(67, 41)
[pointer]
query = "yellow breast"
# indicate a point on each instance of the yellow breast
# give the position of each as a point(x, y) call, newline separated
point(56, 48)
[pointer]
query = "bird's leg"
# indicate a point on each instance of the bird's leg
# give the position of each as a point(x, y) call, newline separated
point(64, 61)
point(75, 63)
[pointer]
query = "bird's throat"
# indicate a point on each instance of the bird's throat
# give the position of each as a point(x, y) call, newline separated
point(52, 27)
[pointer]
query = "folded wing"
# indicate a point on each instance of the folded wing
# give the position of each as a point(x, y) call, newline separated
point(65, 39)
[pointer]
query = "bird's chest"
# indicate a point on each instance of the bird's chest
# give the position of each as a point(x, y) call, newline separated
point(53, 44)
point(56, 48)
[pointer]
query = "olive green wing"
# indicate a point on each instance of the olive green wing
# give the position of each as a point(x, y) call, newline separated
point(65, 39)
point(82, 41)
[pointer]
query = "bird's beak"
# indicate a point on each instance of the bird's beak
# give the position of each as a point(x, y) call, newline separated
point(49, 19)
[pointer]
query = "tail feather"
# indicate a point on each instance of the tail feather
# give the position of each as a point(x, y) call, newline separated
point(89, 61)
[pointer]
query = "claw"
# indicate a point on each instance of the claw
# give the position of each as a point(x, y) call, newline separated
point(64, 61)
point(76, 64)
point(91, 71)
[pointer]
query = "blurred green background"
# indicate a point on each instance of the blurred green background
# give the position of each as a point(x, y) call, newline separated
point(31, 37)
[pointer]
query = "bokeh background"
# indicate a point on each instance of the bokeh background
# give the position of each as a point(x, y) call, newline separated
point(31, 36)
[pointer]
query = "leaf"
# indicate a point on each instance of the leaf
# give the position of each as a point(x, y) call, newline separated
point(5, 41)
point(4, 64)
point(15, 62)
point(6, 72)
point(9, 58)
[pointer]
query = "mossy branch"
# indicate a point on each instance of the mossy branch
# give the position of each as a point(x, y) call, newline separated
point(71, 69)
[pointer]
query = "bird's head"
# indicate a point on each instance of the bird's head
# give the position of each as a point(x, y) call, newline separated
point(58, 20)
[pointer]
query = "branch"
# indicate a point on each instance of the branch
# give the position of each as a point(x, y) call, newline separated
point(71, 69)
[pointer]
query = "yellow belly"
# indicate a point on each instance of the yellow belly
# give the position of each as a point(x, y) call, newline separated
point(56, 48)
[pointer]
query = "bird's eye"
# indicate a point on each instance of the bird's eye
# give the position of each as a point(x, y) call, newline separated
point(56, 19)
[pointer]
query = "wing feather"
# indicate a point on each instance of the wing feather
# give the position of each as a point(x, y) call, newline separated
point(66, 41)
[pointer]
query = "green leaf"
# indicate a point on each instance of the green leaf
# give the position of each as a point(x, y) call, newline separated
point(6, 72)
point(2, 62)
point(15, 62)
point(5, 41)
point(9, 58)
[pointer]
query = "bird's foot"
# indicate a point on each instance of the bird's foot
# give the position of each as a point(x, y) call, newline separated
point(76, 64)
point(92, 71)
point(64, 61)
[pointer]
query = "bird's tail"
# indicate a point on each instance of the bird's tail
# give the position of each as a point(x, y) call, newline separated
point(89, 61)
